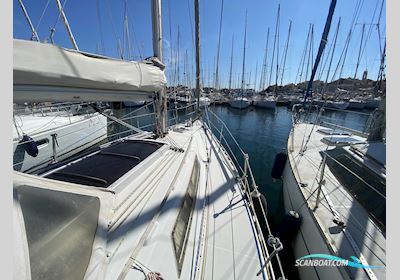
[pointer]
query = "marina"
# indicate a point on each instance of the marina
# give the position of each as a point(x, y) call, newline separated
point(170, 159)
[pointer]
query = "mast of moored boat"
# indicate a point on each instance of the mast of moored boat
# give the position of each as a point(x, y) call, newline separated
point(230, 72)
point(255, 78)
point(378, 127)
point(359, 52)
point(286, 50)
point(244, 52)
point(330, 62)
point(264, 69)
point(277, 50)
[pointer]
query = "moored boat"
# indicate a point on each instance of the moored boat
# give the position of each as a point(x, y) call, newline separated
point(336, 181)
point(341, 105)
point(138, 103)
point(372, 103)
point(50, 134)
point(356, 104)
point(265, 102)
point(240, 103)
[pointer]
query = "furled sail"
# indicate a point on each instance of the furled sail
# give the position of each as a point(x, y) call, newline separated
point(45, 72)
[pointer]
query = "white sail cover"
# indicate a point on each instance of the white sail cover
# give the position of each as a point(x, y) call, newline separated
point(41, 64)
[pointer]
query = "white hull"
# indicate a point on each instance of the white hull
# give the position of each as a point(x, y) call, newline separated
point(134, 103)
point(240, 103)
point(74, 134)
point(372, 103)
point(309, 239)
point(355, 104)
point(204, 102)
point(337, 105)
point(269, 104)
point(319, 102)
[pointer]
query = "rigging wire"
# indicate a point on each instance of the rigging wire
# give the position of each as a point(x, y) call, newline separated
point(117, 39)
point(303, 57)
point(100, 26)
point(216, 82)
point(286, 50)
point(132, 26)
point(41, 16)
point(34, 34)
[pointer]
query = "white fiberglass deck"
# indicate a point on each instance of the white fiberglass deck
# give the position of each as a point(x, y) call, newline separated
point(221, 243)
point(319, 234)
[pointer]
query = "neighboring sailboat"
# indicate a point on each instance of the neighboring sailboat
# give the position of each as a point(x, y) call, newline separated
point(341, 105)
point(138, 103)
point(240, 102)
point(268, 102)
point(335, 178)
point(52, 133)
point(355, 103)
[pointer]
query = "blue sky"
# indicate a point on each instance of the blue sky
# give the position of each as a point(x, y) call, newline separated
point(98, 24)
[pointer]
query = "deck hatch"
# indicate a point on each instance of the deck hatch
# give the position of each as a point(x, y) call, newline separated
point(181, 230)
point(108, 165)
point(340, 141)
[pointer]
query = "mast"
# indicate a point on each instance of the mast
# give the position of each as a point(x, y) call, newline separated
point(34, 34)
point(286, 49)
point(264, 69)
point(333, 52)
point(255, 77)
point(66, 24)
point(273, 51)
point(244, 52)
point(378, 126)
point(177, 59)
point(303, 58)
point(382, 66)
point(310, 51)
point(359, 51)
point(277, 51)
point(216, 85)
point(230, 72)
point(171, 60)
point(161, 119)
point(347, 44)
point(197, 41)
point(186, 69)
point(321, 48)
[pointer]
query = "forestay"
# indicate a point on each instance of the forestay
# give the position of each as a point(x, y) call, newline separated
point(42, 71)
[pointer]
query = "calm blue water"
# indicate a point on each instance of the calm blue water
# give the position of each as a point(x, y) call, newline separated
point(262, 134)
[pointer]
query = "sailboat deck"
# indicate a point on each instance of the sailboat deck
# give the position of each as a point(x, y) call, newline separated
point(361, 237)
point(221, 243)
